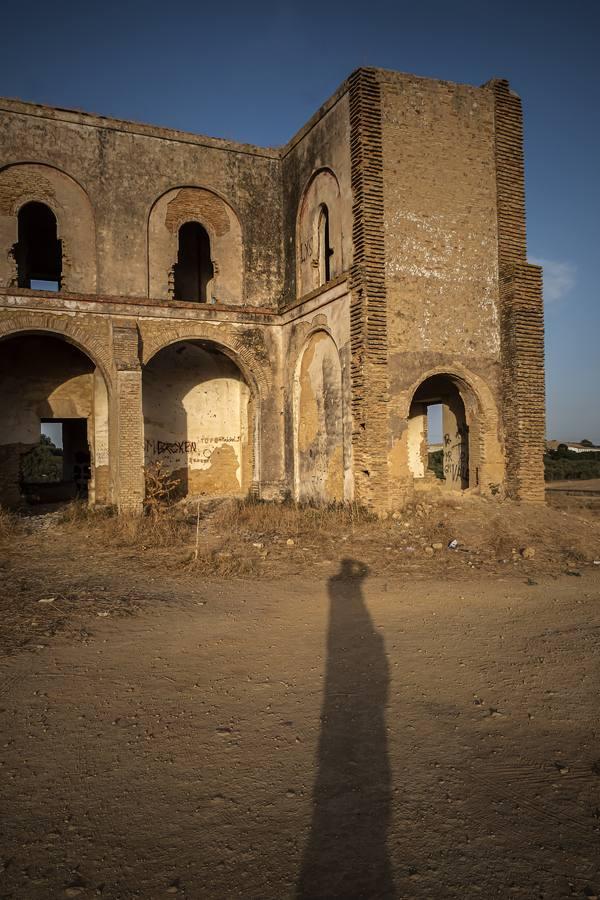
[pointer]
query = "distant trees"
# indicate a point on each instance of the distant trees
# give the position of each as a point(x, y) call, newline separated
point(42, 464)
point(563, 464)
point(436, 463)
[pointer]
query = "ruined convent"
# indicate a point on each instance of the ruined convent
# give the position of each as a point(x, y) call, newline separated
point(281, 322)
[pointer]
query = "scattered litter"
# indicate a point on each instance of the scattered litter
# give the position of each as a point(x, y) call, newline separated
point(452, 545)
point(47, 600)
point(290, 542)
point(527, 552)
point(561, 768)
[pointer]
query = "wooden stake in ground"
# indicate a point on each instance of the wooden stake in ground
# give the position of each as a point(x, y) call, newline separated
point(197, 531)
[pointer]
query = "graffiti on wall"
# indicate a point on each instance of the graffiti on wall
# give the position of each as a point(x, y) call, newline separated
point(456, 457)
point(181, 454)
point(101, 453)
point(306, 250)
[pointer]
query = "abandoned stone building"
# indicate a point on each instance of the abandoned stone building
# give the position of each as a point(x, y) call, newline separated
point(276, 321)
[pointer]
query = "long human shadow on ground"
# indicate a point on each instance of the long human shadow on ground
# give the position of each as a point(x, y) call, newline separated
point(346, 855)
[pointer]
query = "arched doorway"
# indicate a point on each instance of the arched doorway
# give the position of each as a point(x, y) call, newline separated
point(199, 419)
point(318, 425)
point(53, 422)
point(454, 447)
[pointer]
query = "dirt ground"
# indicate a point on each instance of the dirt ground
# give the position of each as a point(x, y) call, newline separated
point(361, 713)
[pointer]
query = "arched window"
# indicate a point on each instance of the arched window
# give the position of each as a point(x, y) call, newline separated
point(38, 252)
point(194, 269)
point(325, 248)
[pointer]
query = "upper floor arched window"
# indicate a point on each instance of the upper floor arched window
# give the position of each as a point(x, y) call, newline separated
point(38, 252)
point(319, 234)
point(194, 270)
point(325, 249)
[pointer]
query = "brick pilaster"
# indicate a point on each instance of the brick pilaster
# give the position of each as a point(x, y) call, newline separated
point(128, 423)
point(368, 310)
point(521, 309)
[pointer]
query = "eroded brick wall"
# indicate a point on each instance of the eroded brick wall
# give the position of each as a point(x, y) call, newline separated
point(368, 311)
point(522, 320)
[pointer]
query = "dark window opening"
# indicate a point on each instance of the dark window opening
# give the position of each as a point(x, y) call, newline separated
point(194, 270)
point(325, 248)
point(38, 252)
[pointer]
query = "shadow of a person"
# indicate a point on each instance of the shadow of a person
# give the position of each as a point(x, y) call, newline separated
point(346, 854)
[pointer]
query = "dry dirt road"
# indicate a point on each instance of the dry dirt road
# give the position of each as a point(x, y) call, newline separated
point(301, 738)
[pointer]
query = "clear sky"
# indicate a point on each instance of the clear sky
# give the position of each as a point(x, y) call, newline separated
point(256, 71)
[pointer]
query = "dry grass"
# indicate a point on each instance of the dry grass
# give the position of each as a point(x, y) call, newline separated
point(10, 524)
point(289, 518)
point(162, 527)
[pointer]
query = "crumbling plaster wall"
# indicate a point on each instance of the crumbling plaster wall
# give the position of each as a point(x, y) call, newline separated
point(322, 146)
point(196, 419)
point(124, 168)
point(305, 377)
point(441, 238)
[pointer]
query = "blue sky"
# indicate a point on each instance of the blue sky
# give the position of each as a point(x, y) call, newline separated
point(256, 72)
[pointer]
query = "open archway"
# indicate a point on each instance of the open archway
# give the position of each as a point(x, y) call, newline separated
point(200, 419)
point(53, 422)
point(319, 429)
point(453, 454)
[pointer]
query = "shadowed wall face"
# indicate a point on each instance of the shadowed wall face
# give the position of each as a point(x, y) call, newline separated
point(196, 410)
point(319, 412)
point(46, 378)
point(346, 854)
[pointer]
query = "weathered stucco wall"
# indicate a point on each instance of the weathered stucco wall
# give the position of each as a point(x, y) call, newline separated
point(122, 169)
point(440, 219)
point(318, 418)
point(315, 170)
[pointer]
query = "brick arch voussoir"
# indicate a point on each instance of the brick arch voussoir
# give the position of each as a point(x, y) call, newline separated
point(97, 352)
point(469, 382)
point(232, 345)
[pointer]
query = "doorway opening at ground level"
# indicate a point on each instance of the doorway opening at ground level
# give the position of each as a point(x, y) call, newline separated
point(59, 467)
point(438, 433)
